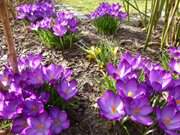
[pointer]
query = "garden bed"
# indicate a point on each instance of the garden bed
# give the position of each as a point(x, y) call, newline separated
point(109, 72)
point(84, 114)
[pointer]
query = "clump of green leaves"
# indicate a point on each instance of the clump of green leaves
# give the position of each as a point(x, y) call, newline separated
point(106, 24)
point(165, 60)
point(107, 17)
point(52, 41)
point(108, 83)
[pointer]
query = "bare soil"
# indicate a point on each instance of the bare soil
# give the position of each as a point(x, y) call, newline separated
point(84, 116)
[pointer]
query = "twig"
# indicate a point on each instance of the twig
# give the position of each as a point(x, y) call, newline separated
point(7, 31)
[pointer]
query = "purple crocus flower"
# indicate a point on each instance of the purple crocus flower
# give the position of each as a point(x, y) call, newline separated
point(44, 96)
point(159, 79)
point(19, 125)
point(174, 52)
point(130, 88)
point(11, 107)
point(52, 72)
point(67, 89)
point(32, 107)
point(67, 74)
point(6, 77)
point(35, 12)
point(39, 125)
point(111, 106)
point(46, 23)
point(148, 66)
point(122, 15)
point(115, 8)
point(175, 95)
point(65, 22)
point(122, 70)
point(59, 30)
point(22, 11)
point(60, 120)
point(135, 61)
point(34, 26)
point(139, 109)
point(36, 77)
point(2, 98)
point(169, 119)
point(175, 65)
point(15, 88)
point(30, 61)
point(73, 25)
point(105, 8)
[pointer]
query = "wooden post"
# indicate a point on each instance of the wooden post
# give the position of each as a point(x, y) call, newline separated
point(12, 58)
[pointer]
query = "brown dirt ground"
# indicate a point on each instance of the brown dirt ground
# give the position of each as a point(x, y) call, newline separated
point(85, 119)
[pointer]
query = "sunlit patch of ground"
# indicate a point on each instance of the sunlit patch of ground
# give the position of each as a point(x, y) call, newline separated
point(89, 5)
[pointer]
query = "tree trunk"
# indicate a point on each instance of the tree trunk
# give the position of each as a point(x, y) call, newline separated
point(12, 58)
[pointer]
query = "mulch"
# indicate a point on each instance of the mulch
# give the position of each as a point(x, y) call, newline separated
point(84, 116)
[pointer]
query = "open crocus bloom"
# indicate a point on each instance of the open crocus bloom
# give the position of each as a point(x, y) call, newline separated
point(175, 95)
point(111, 106)
point(175, 65)
point(169, 119)
point(52, 72)
point(130, 88)
point(159, 79)
point(119, 72)
point(10, 106)
point(60, 120)
point(39, 125)
point(33, 107)
point(67, 89)
point(135, 61)
point(19, 125)
point(139, 109)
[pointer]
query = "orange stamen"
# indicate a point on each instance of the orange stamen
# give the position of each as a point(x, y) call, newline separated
point(40, 126)
point(113, 109)
point(137, 110)
point(167, 120)
point(178, 102)
point(34, 108)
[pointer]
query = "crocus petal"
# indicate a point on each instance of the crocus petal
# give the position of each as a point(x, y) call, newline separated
point(111, 106)
point(143, 120)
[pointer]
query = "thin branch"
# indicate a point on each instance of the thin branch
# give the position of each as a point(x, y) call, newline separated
point(12, 59)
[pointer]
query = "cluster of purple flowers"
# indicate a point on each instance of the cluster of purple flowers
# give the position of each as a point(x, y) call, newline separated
point(28, 101)
point(35, 12)
point(65, 22)
point(106, 8)
point(134, 93)
point(42, 16)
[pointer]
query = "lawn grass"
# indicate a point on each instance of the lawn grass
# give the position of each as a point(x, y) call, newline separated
point(87, 6)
